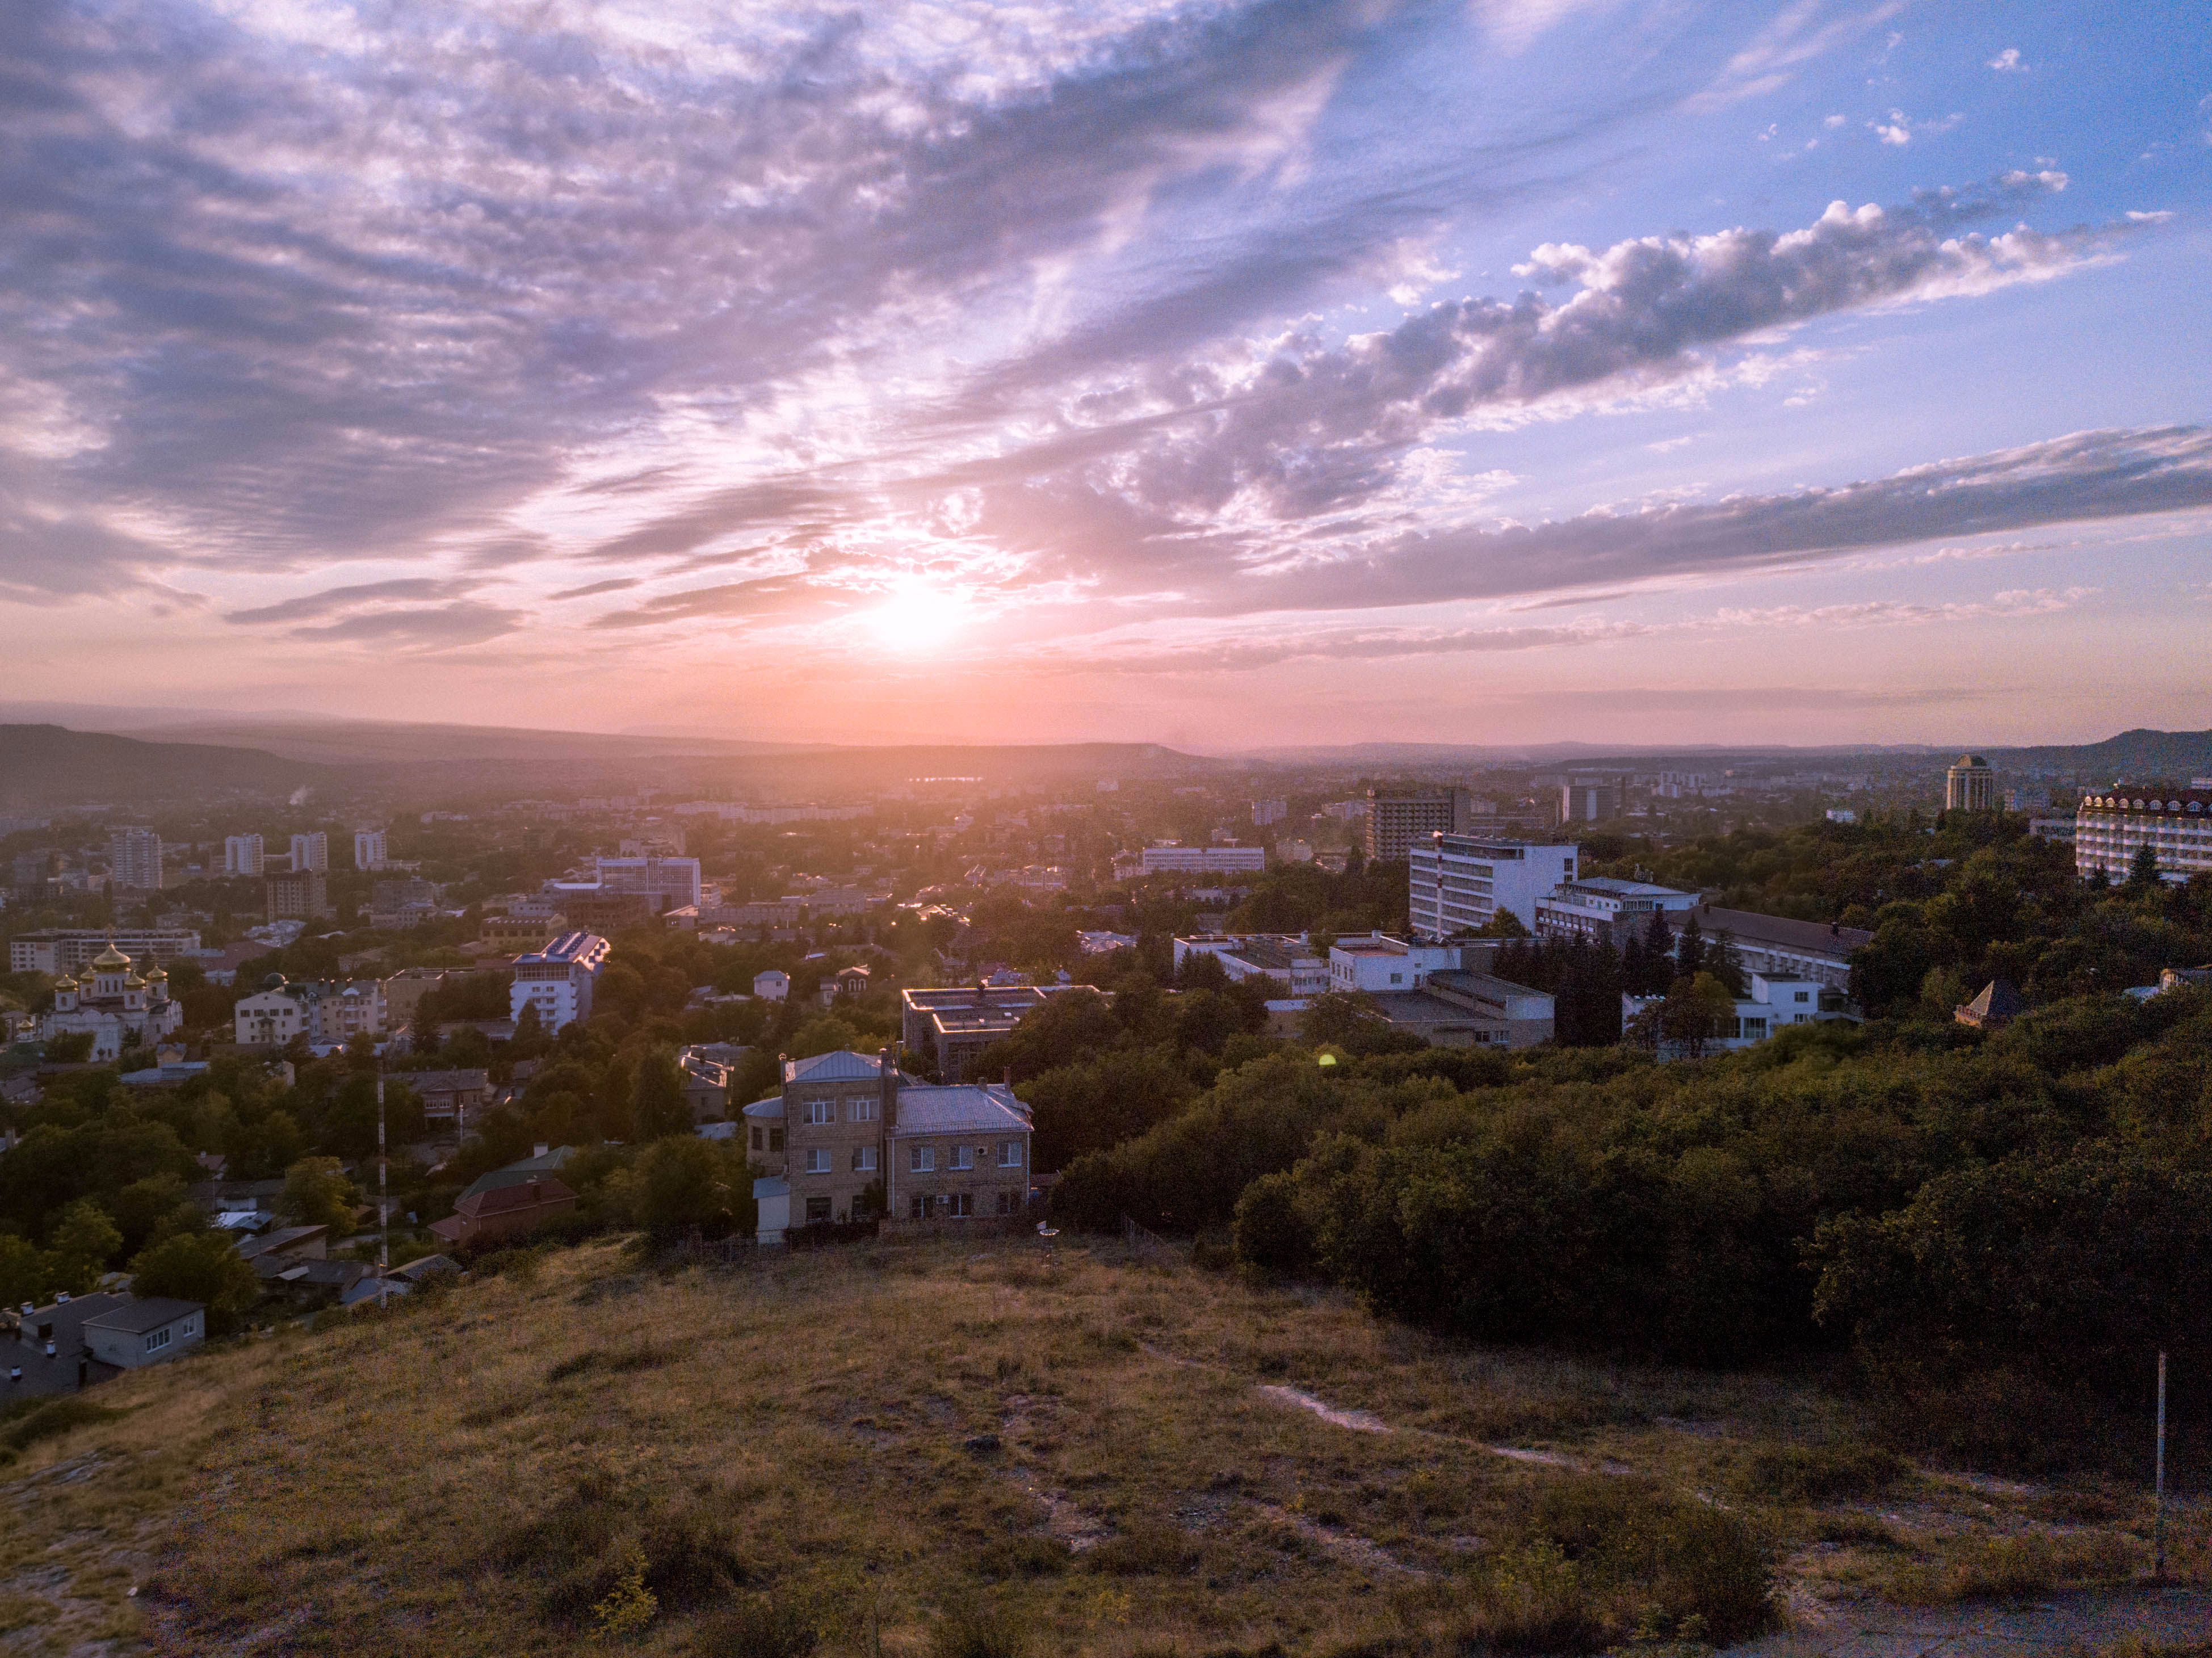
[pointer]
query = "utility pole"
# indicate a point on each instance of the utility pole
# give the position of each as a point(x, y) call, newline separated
point(383, 1212)
point(2158, 1523)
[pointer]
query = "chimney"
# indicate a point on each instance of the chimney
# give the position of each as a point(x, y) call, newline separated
point(540, 1149)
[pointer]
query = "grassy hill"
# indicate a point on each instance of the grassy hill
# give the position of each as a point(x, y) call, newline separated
point(972, 1452)
point(51, 765)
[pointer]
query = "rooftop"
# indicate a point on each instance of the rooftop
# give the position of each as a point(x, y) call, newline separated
point(1613, 887)
point(843, 1064)
point(137, 1317)
point(570, 948)
point(1779, 931)
point(930, 1109)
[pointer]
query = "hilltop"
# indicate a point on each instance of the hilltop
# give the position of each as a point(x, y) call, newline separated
point(976, 1447)
point(52, 765)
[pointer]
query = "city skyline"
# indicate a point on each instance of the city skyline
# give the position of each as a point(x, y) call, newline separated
point(1219, 375)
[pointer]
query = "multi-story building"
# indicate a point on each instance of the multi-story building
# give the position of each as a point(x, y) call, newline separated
point(2113, 826)
point(242, 854)
point(1970, 785)
point(1772, 1004)
point(558, 981)
point(954, 1023)
point(855, 1132)
point(324, 1012)
point(1396, 821)
point(666, 883)
point(1590, 799)
point(1783, 949)
point(116, 1005)
point(404, 903)
point(305, 896)
point(1457, 1008)
point(65, 950)
point(1289, 962)
point(311, 852)
point(1602, 910)
point(1379, 964)
point(1171, 859)
point(518, 933)
point(1269, 812)
point(1458, 882)
point(134, 859)
point(368, 849)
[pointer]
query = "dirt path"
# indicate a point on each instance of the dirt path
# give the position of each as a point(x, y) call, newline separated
point(2054, 1623)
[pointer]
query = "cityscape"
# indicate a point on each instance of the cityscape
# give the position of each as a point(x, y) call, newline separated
point(1180, 829)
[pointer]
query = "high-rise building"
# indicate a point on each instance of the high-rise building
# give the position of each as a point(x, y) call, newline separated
point(2113, 826)
point(368, 849)
point(1396, 821)
point(1458, 882)
point(134, 859)
point(1970, 785)
point(242, 854)
point(1270, 811)
point(311, 852)
point(558, 980)
point(304, 896)
point(1590, 799)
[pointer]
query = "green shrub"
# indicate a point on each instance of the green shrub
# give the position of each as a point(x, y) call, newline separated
point(53, 1418)
point(976, 1631)
point(1532, 1599)
point(1819, 1473)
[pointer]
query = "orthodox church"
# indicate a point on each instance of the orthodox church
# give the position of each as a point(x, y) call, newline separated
point(121, 1008)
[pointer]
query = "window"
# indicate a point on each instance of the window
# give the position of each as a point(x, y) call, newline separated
point(918, 1208)
point(963, 1157)
point(1005, 1202)
point(157, 1340)
point(863, 1159)
point(1397, 978)
point(756, 1137)
point(960, 1206)
point(863, 1109)
point(775, 1140)
point(1010, 1154)
point(820, 1111)
point(817, 1209)
point(924, 1159)
point(818, 1161)
point(1804, 995)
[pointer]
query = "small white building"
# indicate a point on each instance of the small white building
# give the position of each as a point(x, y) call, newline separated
point(1379, 964)
point(1603, 908)
point(1773, 1004)
point(146, 1331)
point(772, 986)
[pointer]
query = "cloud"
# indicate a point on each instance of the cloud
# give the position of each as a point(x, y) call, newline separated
point(440, 627)
point(593, 589)
point(2007, 62)
point(361, 594)
point(1801, 32)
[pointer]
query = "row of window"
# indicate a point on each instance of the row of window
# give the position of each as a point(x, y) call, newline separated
point(957, 1205)
point(922, 1159)
point(819, 1160)
point(861, 1107)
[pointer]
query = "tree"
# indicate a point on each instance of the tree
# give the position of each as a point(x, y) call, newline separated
point(202, 1266)
point(70, 1047)
point(82, 1243)
point(1690, 951)
point(317, 1194)
point(22, 1272)
point(1658, 948)
point(2143, 871)
point(1725, 963)
point(680, 1183)
point(657, 1108)
point(1337, 1018)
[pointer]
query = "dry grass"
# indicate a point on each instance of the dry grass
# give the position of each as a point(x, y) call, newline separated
point(918, 1450)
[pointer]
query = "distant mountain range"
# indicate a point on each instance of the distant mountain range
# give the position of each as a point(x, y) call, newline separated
point(51, 766)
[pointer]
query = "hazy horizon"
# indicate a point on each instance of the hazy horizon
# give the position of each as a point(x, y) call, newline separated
point(1223, 375)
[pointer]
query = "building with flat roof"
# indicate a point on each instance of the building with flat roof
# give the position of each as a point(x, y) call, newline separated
point(1602, 910)
point(2113, 826)
point(1781, 948)
point(1395, 822)
point(66, 948)
point(1287, 961)
point(1590, 799)
point(311, 851)
point(558, 981)
point(1459, 882)
point(1171, 859)
point(953, 1024)
point(666, 881)
point(1456, 1008)
point(1970, 785)
point(242, 854)
point(134, 859)
point(305, 896)
point(369, 849)
point(1378, 964)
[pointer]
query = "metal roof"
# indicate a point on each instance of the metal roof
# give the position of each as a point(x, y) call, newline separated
point(841, 1065)
point(955, 1108)
point(140, 1317)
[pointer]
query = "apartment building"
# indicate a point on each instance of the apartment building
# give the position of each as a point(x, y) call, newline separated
point(558, 980)
point(2111, 826)
point(1602, 910)
point(1396, 821)
point(369, 851)
point(65, 950)
point(324, 1012)
point(1459, 882)
point(1970, 785)
point(243, 854)
point(1169, 859)
point(311, 852)
point(305, 896)
point(134, 859)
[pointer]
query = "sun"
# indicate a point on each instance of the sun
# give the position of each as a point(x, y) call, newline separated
point(918, 617)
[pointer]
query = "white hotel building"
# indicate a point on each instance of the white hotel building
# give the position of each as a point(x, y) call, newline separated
point(1458, 882)
point(2112, 825)
point(558, 981)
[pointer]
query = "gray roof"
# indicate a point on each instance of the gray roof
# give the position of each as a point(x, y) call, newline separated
point(931, 1109)
point(137, 1317)
point(277, 1239)
point(522, 1173)
point(771, 1186)
point(1780, 933)
point(422, 1268)
point(770, 1107)
point(842, 1065)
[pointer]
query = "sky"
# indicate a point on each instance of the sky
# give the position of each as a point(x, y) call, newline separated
point(1221, 374)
